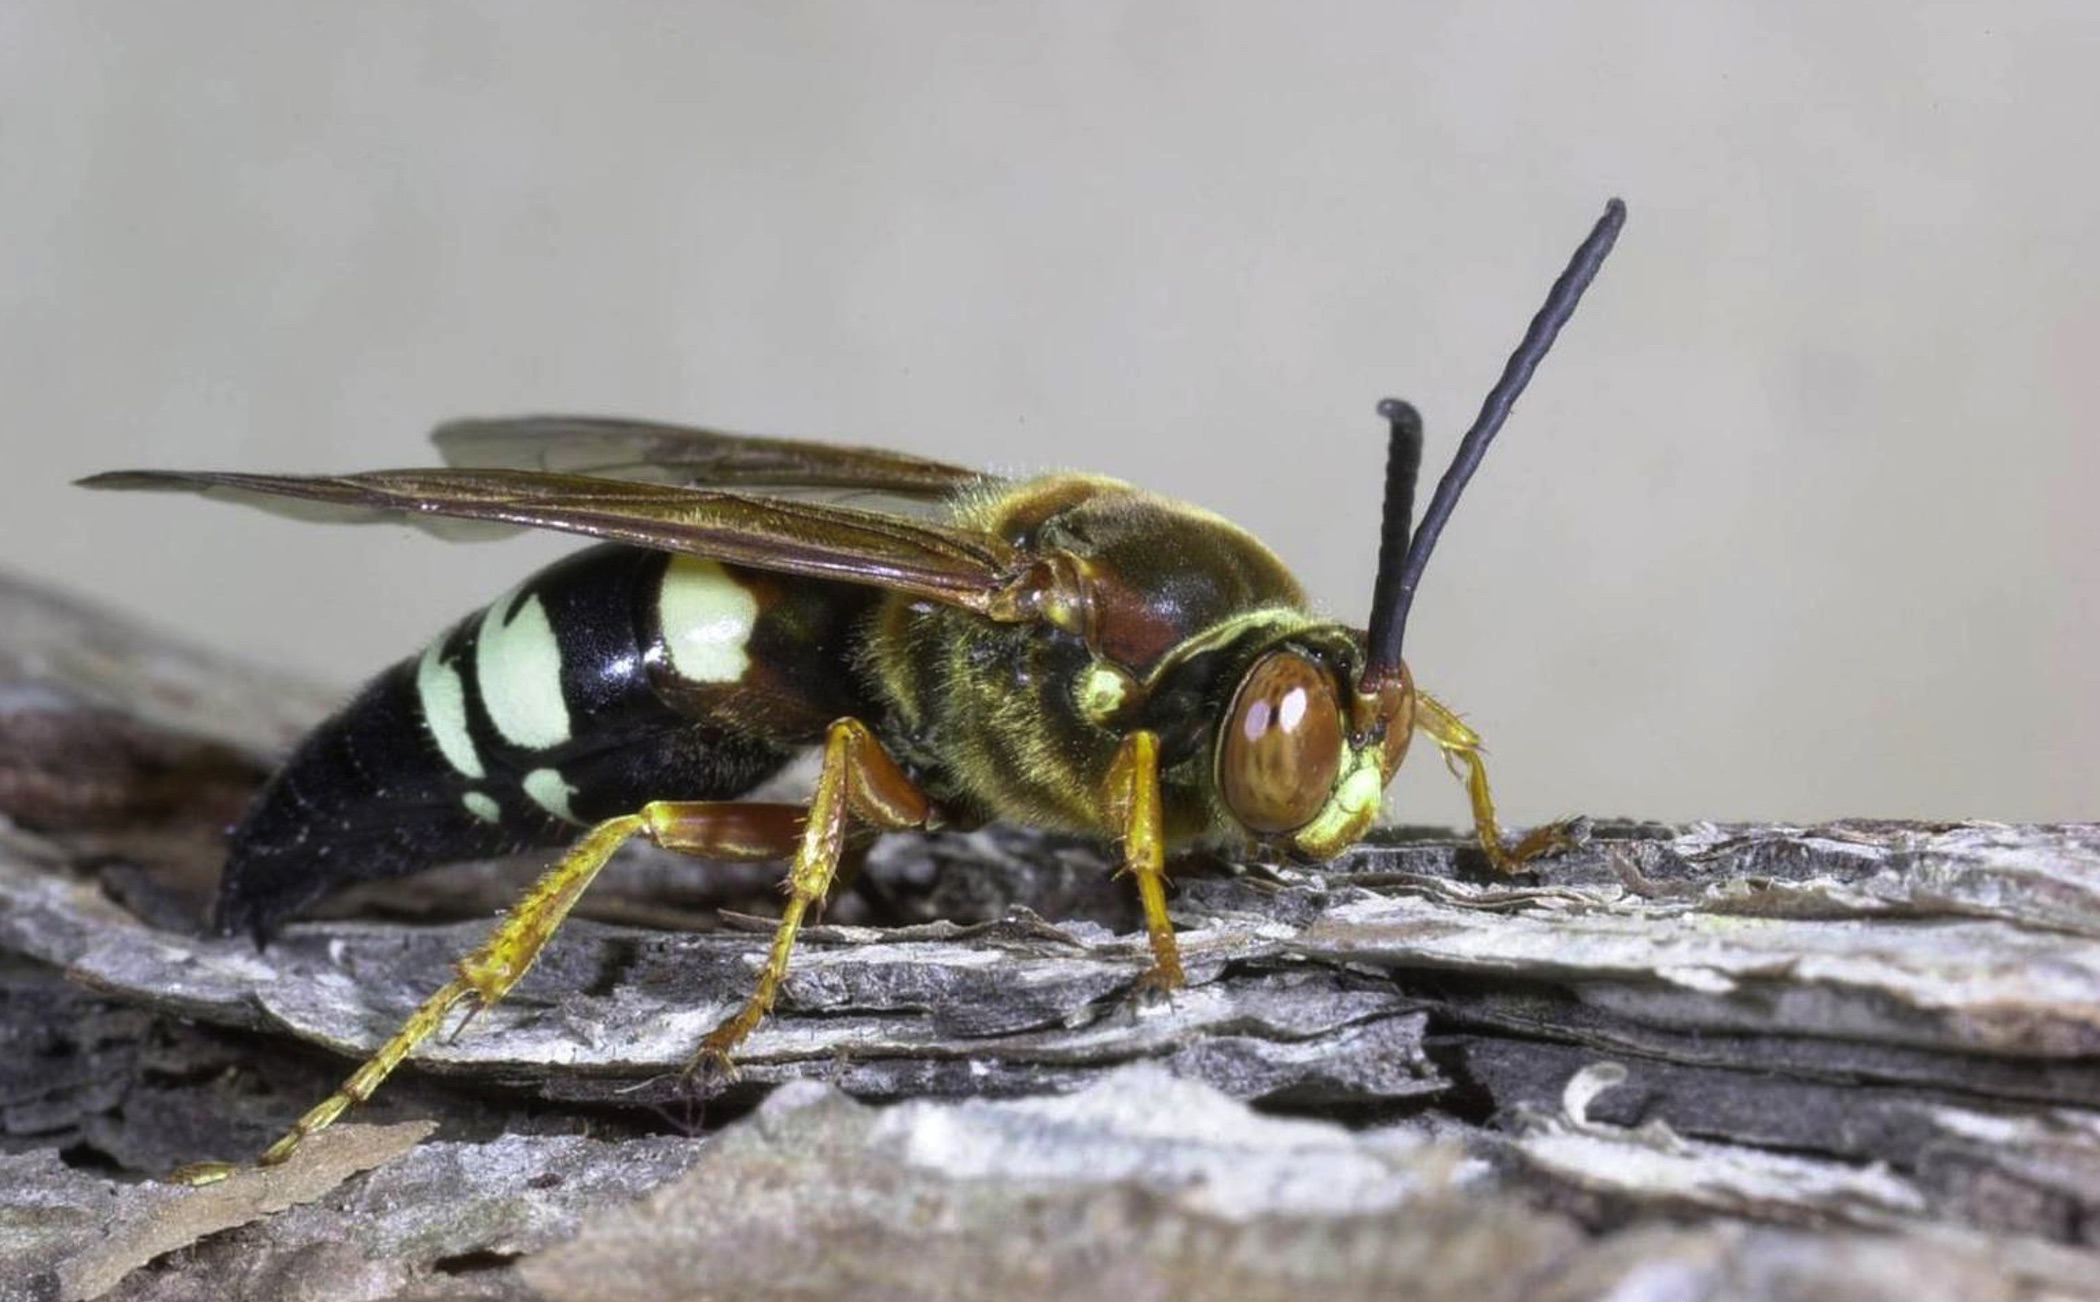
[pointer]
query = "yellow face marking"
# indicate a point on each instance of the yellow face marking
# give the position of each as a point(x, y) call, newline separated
point(707, 618)
point(517, 661)
point(551, 791)
point(444, 701)
point(1357, 797)
point(482, 806)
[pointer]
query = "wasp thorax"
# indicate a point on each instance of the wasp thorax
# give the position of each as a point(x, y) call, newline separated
point(1282, 746)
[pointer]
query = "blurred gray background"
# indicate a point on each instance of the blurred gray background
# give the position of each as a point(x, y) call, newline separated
point(1797, 522)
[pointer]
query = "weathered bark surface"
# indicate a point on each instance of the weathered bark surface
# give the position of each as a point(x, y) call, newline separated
point(1680, 1062)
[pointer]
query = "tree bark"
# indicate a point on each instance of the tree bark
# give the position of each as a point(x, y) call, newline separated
point(1687, 1062)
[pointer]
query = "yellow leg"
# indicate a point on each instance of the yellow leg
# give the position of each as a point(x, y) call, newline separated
point(484, 977)
point(711, 828)
point(858, 775)
point(1461, 748)
point(1133, 795)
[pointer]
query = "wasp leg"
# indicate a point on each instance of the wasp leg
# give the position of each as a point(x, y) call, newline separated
point(1461, 748)
point(717, 829)
point(859, 778)
point(1133, 798)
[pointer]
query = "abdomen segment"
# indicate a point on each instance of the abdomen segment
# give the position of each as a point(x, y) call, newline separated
point(612, 678)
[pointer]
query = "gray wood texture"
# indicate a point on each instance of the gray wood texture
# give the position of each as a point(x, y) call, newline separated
point(1706, 1061)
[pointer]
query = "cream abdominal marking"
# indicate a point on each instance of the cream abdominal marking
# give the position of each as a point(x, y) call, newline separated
point(518, 663)
point(707, 618)
point(482, 806)
point(551, 791)
point(444, 701)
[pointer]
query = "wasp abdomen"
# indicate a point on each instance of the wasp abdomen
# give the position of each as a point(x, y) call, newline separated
point(611, 679)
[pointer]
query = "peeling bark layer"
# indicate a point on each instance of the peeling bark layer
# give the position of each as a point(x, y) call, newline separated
point(1689, 1062)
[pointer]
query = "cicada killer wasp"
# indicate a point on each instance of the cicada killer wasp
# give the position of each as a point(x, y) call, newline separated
point(1066, 651)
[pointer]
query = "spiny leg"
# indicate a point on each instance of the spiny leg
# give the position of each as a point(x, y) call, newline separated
point(1461, 748)
point(726, 830)
point(1133, 798)
point(860, 778)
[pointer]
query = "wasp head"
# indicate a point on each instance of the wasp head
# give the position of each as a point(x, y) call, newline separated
point(1303, 757)
point(1314, 733)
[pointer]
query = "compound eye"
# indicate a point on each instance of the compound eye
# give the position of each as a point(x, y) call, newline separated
point(1282, 747)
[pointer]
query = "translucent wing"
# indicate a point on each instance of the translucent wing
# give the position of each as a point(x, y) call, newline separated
point(959, 567)
point(649, 452)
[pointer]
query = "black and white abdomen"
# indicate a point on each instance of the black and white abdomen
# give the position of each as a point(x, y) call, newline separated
point(610, 679)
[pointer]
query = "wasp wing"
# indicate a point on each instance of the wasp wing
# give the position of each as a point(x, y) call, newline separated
point(959, 567)
point(651, 452)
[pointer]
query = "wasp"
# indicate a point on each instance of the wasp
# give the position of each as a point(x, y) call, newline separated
point(1066, 651)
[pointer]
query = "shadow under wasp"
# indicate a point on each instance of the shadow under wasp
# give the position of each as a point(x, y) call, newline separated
point(1066, 651)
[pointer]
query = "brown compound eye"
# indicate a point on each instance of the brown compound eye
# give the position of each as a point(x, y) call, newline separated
point(1282, 746)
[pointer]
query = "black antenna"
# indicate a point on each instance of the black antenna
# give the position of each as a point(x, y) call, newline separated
point(1403, 464)
point(1395, 592)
